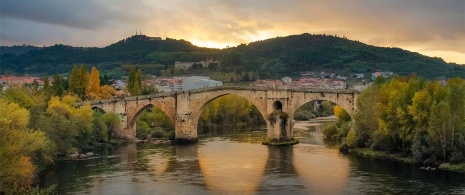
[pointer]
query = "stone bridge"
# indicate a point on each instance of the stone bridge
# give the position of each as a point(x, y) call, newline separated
point(184, 108)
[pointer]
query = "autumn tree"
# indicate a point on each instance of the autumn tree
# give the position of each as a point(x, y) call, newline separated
point(340, 113)
point(17, 146)
point(94, 84)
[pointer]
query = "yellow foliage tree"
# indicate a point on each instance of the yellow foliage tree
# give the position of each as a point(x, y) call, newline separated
point(94, 84)
point(107, 92)
point(340, 113)
point(17, 144)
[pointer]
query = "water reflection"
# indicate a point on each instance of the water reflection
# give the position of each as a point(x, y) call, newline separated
point(232, 168)
point(322, 170)
point(279, 176)
point(237, 164)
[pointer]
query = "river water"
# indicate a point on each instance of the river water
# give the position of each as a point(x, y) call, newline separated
point(233, 161)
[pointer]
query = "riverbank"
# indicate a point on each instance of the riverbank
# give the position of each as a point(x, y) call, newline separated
point(366, 152)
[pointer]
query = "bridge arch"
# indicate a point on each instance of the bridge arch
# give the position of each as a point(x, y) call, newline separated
point(277, 105)
point(346, 101)
point(202, 99)
point(136, 107)
point(98, 109)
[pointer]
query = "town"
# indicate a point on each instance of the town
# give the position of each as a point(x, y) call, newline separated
point(308, 80)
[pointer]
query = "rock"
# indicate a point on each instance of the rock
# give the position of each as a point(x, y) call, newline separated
point(344, 148)
point(433, 169)
point(82, 156)
point(89, 153)
point(422, 168)
point(428, 168)
point(73, 155)
point(444, 165)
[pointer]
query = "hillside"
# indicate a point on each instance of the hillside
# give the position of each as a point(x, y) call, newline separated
point(297, 53)
point(272, 58)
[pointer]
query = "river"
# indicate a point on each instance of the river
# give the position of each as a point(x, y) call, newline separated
point(233, 161)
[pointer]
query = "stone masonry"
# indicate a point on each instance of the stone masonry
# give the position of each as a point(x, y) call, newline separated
point(184, 108)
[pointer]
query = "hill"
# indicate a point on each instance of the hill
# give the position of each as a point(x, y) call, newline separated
point(298, 53)
point(272, 58)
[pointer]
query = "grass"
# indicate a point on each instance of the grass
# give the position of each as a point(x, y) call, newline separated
point(275, 142)
point(366, 152)
point(454, 167)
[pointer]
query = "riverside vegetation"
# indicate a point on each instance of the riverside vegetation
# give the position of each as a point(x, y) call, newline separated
point(41, 125)
point(408, 119)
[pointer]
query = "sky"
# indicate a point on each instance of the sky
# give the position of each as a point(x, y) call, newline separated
point(431, 27)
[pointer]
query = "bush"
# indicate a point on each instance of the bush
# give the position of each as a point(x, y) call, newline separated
point(330, 132)
point(457, 157)
point(171, 135)
point(158, 133)
point(351, 139)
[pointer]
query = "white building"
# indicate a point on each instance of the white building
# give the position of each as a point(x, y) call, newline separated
point(199, 82)
point(287, 80)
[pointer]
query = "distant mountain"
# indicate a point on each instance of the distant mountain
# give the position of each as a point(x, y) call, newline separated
point(272, 58)
point(17, 49)
point(298, 53)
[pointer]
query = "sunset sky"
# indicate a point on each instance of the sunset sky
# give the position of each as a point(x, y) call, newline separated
point(430, 27)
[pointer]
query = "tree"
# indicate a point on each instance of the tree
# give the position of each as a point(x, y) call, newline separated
point(456, 105)
point(94, 84)
point(138, 78)
point(17, 145)
point(136, 90)
point(46, 87)
point(66, 125)
point(83, 93)
point(74, 81)
point(131, 80)
point(107, 92)
point(341, 113)
point(57, 85)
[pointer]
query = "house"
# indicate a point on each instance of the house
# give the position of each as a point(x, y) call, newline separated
point(287, 80)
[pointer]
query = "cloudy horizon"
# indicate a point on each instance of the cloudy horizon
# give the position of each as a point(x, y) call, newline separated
point(433, 28)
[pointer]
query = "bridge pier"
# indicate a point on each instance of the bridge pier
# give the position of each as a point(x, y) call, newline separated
point(185, 129)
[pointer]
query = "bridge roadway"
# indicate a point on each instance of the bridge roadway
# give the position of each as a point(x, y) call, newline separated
point(184, 108)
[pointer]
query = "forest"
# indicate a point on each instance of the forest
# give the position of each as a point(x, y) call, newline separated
point(271, 58)
point(41, 125)
point(411, 117)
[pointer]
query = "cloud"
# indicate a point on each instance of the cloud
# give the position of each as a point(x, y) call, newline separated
point(427, 25)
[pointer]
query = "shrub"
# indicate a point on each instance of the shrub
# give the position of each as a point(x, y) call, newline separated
point(351, 139)
point(158, 133)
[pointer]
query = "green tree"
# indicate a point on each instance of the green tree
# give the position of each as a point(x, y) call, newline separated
point(74, 81)
point(457, 106)
point(131, 80)
point(46, 87)
point(57, 85)
point(84, 89)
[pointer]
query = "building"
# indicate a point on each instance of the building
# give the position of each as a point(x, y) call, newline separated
point(199, 82)
point(358, 76)
point(7, 81)
point(385, 75)
point(268, 83)
point(187, 65)
point(169, 85)
point(287, 80)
